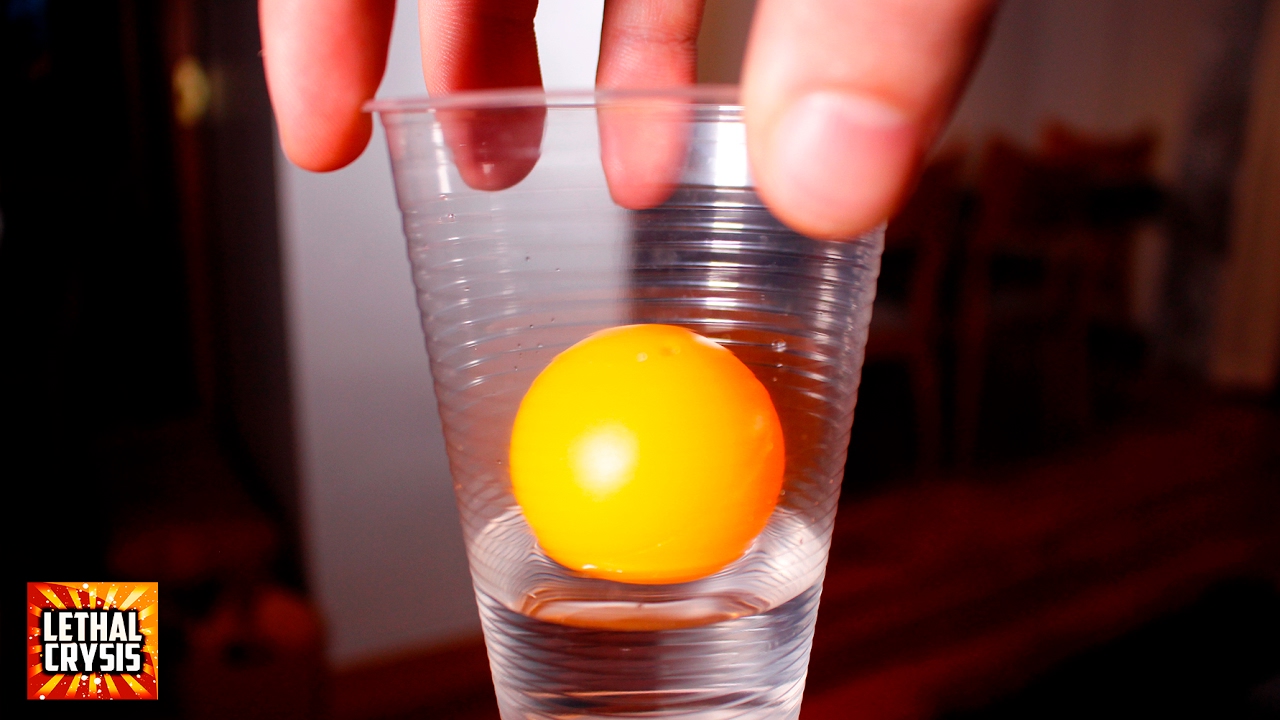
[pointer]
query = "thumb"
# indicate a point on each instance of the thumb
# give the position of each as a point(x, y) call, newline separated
point(844, 97)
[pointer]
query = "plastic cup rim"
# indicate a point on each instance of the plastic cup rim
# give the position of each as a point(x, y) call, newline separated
point(723, 96)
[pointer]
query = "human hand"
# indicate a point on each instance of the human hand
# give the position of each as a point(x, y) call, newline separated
point(843, 98)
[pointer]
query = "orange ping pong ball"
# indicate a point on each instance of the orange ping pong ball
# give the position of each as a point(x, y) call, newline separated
point(646, 454)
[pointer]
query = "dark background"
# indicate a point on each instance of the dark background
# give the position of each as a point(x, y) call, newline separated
point(144, 387)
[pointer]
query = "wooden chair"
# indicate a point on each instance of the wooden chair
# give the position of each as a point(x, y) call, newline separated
point(1023, 268)
point(1122, 191)
point(1066, 211)
point(905, 324)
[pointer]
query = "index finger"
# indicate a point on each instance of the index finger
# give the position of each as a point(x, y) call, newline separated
point(323, 60)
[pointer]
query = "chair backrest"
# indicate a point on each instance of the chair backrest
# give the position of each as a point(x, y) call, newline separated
point(1025, 200)
point(1118, 169)
point(1107, 160)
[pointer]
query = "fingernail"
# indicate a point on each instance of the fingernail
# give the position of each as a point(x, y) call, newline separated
point(839, 161)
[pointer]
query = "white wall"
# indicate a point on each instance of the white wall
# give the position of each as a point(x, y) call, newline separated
point(568, 42)
point(1108, 66)
point(1103, 65)
point(382, 541)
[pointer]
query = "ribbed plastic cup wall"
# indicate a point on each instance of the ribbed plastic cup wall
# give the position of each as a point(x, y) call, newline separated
point(534, 220)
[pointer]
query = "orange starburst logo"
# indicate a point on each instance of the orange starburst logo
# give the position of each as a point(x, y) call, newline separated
point(92, 641)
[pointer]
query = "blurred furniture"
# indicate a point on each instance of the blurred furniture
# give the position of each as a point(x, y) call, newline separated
point(905, 323)
point(1022, 267)
point(243, 640)
point(945, 595)
point(1118, 191)
point(1049, 257)
point(258, 653)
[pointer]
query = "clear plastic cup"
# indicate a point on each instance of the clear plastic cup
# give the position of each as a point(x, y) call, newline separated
point(534, 220)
